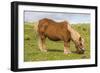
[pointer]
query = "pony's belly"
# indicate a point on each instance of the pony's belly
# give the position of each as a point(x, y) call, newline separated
point(54, 38)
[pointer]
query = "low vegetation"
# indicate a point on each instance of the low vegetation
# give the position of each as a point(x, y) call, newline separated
point(55, 49)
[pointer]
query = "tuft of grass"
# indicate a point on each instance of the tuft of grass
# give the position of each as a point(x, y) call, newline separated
point(55, 49)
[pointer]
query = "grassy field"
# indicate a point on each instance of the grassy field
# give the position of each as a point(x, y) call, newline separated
point(55, 49)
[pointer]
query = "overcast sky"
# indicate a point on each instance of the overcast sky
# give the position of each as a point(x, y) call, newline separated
point(31, 16)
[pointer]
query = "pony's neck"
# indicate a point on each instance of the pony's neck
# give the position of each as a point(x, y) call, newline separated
point(74, 34)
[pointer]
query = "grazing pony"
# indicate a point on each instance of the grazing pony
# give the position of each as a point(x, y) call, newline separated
point(59, 31)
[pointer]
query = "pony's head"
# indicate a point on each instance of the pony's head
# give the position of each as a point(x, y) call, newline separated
point(80, 46)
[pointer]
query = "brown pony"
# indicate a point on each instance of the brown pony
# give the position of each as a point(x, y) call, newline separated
point(59, 31)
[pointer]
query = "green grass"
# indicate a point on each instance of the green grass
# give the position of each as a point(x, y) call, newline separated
point(55, 49)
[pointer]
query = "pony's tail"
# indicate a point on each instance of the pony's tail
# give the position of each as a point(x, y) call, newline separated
point(35, 27)
point(35, 30)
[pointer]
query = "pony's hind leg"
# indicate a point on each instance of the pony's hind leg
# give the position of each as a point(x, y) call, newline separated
point(66, 48)
point(42, 45)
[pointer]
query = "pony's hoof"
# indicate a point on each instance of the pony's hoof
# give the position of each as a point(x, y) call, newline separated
point(43, 50)
point(67, 52)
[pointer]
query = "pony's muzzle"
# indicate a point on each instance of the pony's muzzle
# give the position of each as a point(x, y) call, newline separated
point(82, 50)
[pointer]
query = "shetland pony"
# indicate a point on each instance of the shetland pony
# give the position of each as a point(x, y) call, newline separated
point(59, 31)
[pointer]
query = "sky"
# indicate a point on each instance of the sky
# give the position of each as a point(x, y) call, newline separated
point(33, 16)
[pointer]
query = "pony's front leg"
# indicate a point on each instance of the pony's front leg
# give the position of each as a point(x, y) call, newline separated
point(42, 45)
point(66, 48)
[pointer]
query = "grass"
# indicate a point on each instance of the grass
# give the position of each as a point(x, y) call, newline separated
point(55, 49)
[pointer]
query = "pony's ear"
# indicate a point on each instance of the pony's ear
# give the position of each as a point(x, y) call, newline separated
point(80, 38)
